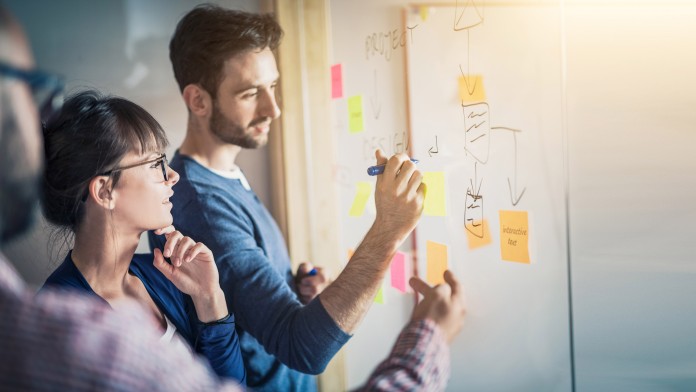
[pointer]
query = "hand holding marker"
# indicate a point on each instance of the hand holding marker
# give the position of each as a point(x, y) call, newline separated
point(379, 169)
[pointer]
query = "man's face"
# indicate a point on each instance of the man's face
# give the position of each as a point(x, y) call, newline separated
point(245, 104)
point(20, 141)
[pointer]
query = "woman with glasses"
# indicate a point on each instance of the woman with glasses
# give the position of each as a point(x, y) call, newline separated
point(106, 182)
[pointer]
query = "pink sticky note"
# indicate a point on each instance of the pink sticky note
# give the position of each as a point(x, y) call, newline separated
point(336, 81)
point(398, 272)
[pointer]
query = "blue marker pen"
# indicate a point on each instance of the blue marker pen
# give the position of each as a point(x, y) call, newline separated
point(379, 169)
point(312, 272)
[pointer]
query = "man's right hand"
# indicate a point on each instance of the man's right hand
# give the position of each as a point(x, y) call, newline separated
point(443, 304)
point(399, 195)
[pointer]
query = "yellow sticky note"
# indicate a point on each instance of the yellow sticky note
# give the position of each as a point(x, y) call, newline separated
point(436, 258)
point(477, 236)
point(423, 10)
point(379, 299)
point(471, 89)
point(514, 236)
point(351, 251)
point(364, 189)
point(355, 114)
point(434, 203)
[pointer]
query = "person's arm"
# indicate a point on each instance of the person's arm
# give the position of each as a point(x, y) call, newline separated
point(399, 195)
point(420, 359)
point(194, 272)
point(64, 341)
point(304, 338)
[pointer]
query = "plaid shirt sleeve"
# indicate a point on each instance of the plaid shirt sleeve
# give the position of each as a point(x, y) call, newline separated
point(419, 361)
point(63, 341)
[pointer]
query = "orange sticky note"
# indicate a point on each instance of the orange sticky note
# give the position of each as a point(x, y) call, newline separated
point(471, 89)
point(514, 236)
point(379, 299)
point(434, 203)
point(399, 272)
point(477, 234)
point(355, 114)
point(364, 189)
point(436, 256)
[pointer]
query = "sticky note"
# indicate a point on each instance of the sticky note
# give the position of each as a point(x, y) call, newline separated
point(476, 240)
point(379, 298)
point(471, 89)
point(423, 11)
point(351, 251)
point(434, 203)
point(436, 256)
point(336, 81)
point(364, 189)
point(399, 272)
point(355, 114)
point(514, 236)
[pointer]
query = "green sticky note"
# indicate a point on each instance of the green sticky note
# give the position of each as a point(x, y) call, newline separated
point(355, 114)
point(434, 193)
point(364, 190)
point(379, 299)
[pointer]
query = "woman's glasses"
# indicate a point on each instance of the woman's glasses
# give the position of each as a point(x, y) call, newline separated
point(160, 160)
point(46, 88)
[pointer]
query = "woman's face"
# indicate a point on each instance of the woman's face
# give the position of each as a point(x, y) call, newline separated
point(142, 194)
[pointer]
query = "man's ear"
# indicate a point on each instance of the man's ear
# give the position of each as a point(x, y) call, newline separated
point(198, 101)
point(101, 192)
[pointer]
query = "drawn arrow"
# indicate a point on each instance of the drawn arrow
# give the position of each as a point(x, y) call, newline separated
point(514, 198)
point(437, 149)
point(377, 111)
point(467, 78)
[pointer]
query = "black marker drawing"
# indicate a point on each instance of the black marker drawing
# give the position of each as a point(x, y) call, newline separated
point(437, 149)
point(477, 131)
point(473, 211)
point(514, 197)
point(470, 89)
point(464, 20)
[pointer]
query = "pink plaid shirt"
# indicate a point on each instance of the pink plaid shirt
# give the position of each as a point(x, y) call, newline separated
point(62, 341)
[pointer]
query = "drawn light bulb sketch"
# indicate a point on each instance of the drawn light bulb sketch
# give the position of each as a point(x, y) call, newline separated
point(473, 211)
point(467, 14)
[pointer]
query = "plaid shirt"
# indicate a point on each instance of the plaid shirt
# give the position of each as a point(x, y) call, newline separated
point(62, 341)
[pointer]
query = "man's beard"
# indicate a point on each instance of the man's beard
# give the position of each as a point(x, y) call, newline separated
point(232, 133)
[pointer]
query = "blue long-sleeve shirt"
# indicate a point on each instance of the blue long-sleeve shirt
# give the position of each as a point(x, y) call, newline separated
point(283, 341)
point(218, 343)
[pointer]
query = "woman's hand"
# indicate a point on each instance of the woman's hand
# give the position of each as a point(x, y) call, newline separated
point(193, 271)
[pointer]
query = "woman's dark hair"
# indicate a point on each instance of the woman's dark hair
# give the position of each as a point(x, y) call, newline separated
point(90, 135)
point(209, 35)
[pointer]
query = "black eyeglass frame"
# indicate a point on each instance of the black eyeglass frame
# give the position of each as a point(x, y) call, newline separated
point(37, 80)
point(164, 164)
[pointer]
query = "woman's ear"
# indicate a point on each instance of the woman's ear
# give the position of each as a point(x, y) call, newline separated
point(198, 101)
point(101, 191)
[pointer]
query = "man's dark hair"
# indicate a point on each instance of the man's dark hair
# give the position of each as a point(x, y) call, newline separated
point(209, 35)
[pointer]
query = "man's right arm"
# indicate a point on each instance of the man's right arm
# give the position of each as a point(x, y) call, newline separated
point(399, 196)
